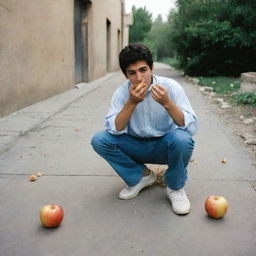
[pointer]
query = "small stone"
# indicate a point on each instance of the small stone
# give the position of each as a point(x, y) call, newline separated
point(250, 142)
point(218, 100)
point(195, 80)
point(248, 121)
point(211, 95)
point(246, 136)
point(39, 174)
point(225, 105)
point(208, 89)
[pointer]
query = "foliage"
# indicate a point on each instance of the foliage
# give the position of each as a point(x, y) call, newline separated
point(207, 37)
point(142, 22)
point(221, 85)
point(159, 35)
point(245, 98)
point(213, 37)
point(151, 45)
point(155, 34)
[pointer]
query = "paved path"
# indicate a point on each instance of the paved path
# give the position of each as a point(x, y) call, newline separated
point(56, 142)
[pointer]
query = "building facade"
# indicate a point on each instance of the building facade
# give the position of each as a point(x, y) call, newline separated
point(46, 47)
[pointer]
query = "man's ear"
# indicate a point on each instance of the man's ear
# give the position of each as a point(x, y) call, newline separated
point(153, 66)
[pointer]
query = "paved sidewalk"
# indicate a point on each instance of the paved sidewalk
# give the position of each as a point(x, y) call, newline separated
point(53, 137)
point(25, 120)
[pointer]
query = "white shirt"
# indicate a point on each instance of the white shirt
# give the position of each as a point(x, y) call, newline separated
point(151, 119)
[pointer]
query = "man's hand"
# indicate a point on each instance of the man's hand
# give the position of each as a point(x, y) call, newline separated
point(138, 92)
point(160, 94)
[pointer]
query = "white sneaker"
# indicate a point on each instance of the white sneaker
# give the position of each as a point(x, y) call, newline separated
point(179, 200)
point(131, 192)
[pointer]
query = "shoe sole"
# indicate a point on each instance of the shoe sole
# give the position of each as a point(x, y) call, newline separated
point(181, 213)
point(178, 213)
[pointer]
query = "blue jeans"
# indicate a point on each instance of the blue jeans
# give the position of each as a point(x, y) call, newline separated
point(127, 155)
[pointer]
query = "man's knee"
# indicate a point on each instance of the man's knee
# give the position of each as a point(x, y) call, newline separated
point(98, 140)
point(182, 140)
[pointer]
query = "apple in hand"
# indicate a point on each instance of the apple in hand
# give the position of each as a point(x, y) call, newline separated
point(216, 206)
point(51, 215)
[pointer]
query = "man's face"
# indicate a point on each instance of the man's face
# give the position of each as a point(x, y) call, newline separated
point(139, 72)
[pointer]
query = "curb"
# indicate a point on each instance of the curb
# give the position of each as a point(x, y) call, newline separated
point(30, 118)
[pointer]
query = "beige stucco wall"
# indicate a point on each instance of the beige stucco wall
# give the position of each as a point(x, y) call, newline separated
point(127, 22)
point(35, 57)
point(101, 11)
point(37, 52)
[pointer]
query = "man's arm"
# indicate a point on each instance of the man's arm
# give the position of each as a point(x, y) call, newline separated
point(160, 94)
point(175, 113)
point(137, 94)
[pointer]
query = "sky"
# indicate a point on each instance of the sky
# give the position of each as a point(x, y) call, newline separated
point(153, 6)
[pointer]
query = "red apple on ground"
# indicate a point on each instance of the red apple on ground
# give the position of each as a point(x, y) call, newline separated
point(51, 215)
point(216, 206)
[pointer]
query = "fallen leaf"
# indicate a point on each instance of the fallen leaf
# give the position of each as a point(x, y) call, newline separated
point(32, 178)
point(193, 161)
point(223, 160)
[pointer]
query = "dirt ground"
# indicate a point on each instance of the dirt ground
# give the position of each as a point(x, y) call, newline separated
point(234, 116)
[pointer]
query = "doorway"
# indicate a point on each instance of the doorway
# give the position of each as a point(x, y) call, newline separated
point(108, 49)
point(81, 40)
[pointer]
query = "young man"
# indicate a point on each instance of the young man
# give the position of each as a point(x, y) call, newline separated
point(150, 120)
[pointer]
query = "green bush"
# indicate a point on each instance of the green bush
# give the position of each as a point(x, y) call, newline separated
point(142, 23)
point(159, 35)
point(213, 37)
point(245, 98)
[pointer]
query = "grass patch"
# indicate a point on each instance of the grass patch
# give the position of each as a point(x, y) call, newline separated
point(244, 99)
point(220, 84)
point(224, 86)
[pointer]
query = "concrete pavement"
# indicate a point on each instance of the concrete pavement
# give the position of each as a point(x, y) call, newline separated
point(53, 137)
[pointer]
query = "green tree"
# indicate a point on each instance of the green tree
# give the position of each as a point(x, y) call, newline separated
point(159, 35)
point(142, 22)
point(213, 37)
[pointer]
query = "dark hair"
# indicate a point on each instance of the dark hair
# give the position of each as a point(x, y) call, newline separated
point(133, 53)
